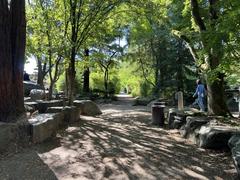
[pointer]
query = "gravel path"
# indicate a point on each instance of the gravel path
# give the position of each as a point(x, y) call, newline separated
point(119, 144)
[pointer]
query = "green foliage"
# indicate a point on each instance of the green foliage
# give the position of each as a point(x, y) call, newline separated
point(145, 89)
point(61, 83)
point(166, 49)
point(97, 83)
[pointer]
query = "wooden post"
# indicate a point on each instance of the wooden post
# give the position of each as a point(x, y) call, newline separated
point(180, 100)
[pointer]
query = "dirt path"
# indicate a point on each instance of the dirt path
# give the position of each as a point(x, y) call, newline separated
point(119, 144)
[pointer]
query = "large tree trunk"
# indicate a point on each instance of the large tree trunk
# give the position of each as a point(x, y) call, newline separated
point(41, 73)
point(71, 77)
point(216, 97)
point(12, 51)
point(50, 91)
point(106, 82)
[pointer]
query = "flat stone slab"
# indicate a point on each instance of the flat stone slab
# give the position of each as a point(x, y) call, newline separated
point(31, 106)
point(216, 137)
point(44, 105)
point(56, 109)
point(87, 107)
point(27, 99)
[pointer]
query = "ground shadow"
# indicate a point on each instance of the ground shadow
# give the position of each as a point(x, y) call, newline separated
point(26, 165)
point(122, 144)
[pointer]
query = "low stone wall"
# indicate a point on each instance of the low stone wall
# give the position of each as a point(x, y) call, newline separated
point(45, 125)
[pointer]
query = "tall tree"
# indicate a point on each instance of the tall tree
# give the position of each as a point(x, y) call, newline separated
point(82, 18)
point(208, 28)
point(12, 52)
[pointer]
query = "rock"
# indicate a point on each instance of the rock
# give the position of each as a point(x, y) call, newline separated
point(44, 105)
point(179, 121)
point(57, 109)
point(28, 86)
point(30, 106)
point(44, 126)
point(27, 99)
point(234, 140)
point(170, 117)
point(193, 112)
point(236, 157)
point(71, 114)
point(87, 107)
point(216, 137)
point(37, 94)
point(234, 145)
point(193, 124)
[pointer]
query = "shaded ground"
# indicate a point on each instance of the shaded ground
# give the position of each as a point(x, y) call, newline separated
point(119, 144)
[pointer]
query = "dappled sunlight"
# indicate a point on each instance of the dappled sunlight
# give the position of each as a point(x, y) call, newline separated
point(126, 146)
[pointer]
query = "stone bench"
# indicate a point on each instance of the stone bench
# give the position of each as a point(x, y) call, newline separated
point(44, 126)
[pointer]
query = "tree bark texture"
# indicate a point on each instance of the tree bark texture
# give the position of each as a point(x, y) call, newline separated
point(12, 52)
point(42, 72)
point(71, 77)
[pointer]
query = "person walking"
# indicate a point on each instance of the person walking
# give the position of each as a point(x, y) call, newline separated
point(200, 94)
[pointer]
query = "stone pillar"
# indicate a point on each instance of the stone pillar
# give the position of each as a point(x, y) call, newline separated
point(180, 100)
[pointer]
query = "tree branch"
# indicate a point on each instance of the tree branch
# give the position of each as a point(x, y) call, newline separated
point(196, 15)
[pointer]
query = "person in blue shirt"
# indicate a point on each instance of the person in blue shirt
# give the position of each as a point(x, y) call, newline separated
point(200, 94)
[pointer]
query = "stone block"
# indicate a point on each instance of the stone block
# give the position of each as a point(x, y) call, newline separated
point(43, 126)
point(71, 114)
point(193, 124)
point(216, 137)
point(233, 141)
point(44, 105)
